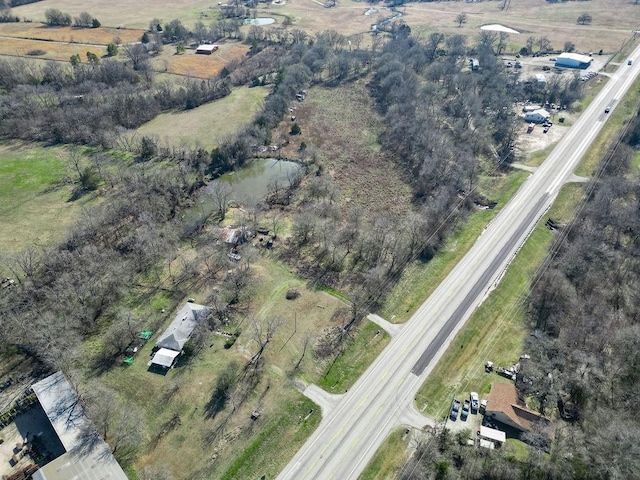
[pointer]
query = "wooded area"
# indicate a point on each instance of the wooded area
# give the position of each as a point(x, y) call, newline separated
point(583, 365)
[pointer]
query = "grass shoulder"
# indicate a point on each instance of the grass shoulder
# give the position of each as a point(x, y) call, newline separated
point(389, 457)
point(419, 279)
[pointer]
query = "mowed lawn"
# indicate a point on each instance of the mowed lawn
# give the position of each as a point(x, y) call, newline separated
point(34, 200)
point(208, 124)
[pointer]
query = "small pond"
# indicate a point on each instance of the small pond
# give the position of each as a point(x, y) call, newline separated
point(253, 181)
point(260, 21)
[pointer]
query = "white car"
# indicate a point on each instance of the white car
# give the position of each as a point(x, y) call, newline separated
point(474, 402)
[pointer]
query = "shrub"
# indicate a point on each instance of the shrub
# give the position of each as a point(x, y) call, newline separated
point(36, 53)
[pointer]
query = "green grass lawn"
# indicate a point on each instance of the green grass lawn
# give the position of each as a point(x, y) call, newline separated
point(208, 124)
point(34, 197)
point(360, 352)
point(389, 457)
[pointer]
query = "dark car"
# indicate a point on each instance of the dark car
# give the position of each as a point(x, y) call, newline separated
point(465, 410)
point(607, 110)
point(455, 408)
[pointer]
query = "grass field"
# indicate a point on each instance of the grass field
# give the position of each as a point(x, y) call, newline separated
point(34, 199)
point(208, 124)
point(21, 47)
point(200, 66)
point(612, 22)
point(99, 36)
point(124, 13)
point(244, 448)
point(341, 125)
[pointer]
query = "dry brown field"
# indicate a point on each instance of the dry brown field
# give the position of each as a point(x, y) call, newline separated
point(613, 20)
point(53, 50)
point(122, 13)
point(200, 66)
point(99, 36)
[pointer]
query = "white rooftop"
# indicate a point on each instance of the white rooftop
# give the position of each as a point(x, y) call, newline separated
point(492, 434)
point(164, 357)
point(575, 56)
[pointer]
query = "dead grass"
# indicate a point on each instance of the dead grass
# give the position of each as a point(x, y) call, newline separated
point(124, 13)
point(53, 50)
point(208, 124)
point(612, 22)
point(99, 36)
point(341, 125)
point(201, 66)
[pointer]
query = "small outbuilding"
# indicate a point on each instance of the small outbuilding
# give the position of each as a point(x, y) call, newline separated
point(537, 116)
point(475, 64)
point(489, 437)
point(573, 60)
point(206, 49)
point(164, 358)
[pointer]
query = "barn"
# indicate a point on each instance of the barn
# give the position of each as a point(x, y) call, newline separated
point(206, 49)
point(573, 60)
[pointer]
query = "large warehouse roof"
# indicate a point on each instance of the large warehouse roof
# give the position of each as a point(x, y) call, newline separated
point(87, 456)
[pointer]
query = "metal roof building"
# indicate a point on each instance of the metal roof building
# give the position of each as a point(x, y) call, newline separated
point(87, 455)
point(182, 326)
point(573, 60)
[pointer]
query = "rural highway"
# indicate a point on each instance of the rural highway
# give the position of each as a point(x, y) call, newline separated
point(355, 424)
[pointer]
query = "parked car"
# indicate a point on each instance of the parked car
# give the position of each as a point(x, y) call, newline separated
point(455, 408)
point(465, 410)
point(546, 68)
point(474, 402)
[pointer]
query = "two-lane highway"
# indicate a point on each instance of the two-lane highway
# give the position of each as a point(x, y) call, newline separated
point(357, 425)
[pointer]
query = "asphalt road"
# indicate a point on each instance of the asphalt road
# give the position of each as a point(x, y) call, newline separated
point(356, 424)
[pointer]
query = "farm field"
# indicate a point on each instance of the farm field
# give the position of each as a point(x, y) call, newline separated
point(208, 124)
point(190, 64)
point(96, 36)
point(20, 47)
point(123, 13)
point(34, 197)
point(612, 22)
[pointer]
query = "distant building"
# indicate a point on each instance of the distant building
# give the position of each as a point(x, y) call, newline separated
point(504, 407)
point(540, 78)
point(206, 49)
point(573, 60)
point(475, 64)
point(87, 455)
point(537, 116)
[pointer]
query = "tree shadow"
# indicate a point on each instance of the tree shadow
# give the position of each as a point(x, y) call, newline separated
point(216, 403)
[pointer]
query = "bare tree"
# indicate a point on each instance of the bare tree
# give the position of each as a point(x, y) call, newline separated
point(219, 193)
point(138, 55)
point(461, 18)
point(263, 332)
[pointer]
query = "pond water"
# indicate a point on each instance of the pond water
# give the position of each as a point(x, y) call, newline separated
point(260, 21)
point(253, 181)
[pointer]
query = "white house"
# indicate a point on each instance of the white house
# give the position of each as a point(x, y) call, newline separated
point(537, 116)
